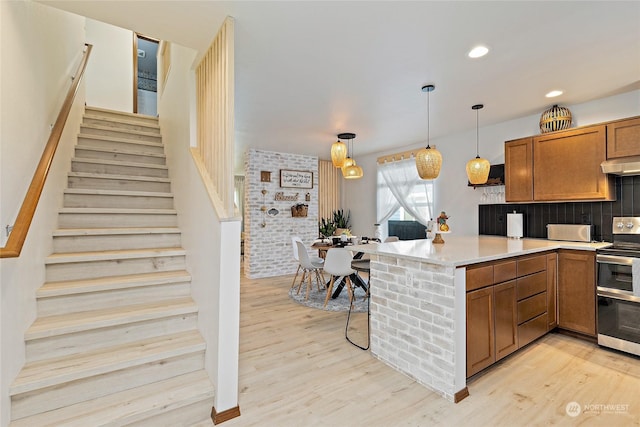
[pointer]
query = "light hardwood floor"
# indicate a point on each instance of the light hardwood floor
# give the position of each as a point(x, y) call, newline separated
point(297, 369)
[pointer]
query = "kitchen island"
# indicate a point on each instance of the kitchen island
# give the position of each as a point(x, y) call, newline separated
point(418, 306)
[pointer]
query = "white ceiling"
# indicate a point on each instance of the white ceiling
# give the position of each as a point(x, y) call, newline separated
point(306, 71)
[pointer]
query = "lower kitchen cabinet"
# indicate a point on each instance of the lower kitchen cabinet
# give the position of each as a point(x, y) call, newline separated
point(577, 291)
point(480, 330)
point(505, 313)
point(552, 290)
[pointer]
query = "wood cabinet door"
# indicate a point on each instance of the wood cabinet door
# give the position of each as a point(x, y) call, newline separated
point(480, 330)
point(566, 166)
point(518, 170)
point(623, 138)
point(577, 291)
point(552, 290)
point(505, 319)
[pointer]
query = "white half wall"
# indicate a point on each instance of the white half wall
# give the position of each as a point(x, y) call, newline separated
point(110, 71)
point(213, 247)
point(451, 192)
point(40, 50)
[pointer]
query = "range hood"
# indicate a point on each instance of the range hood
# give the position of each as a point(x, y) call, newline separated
point(622, 166)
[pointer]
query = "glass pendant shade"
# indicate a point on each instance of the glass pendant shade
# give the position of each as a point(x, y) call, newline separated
point(353, 171)
point(338, 153)
point(348, 162)
point(428, 163)
point(478, 170)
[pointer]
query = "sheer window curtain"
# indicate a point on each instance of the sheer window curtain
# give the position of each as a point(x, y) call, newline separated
point(401, 178)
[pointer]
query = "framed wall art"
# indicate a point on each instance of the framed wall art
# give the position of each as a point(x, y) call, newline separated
point(296, 179)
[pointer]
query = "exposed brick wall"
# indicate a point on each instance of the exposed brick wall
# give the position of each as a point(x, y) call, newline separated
point(268, 250)
point(412, 320)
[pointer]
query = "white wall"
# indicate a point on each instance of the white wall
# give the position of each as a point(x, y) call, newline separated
point(41, 48)
point(452, 193)
point(110, 72)
point(213, 248)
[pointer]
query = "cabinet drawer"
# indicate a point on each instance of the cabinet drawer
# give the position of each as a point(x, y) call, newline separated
point(504, 271)
point(479, 277)
point(532, 307)
point(532, 265)
point(532, 329)
point(531, 285)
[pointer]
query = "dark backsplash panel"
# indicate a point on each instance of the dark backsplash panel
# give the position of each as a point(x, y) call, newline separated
point(493, 218)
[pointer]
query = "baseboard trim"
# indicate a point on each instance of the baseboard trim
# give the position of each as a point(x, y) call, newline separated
point(461, 395)
point(220, 417)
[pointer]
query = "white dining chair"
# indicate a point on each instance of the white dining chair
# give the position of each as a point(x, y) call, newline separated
point(313, 259)
point(308, 268)
point(338, 265)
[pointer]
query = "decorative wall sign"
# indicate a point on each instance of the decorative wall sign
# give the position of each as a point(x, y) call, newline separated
point(296, 179)
point(281, 197)
point(265, 176)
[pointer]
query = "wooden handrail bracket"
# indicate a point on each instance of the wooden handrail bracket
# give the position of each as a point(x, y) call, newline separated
point(23, 221)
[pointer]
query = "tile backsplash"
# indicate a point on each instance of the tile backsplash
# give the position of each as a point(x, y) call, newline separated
point(493, 218)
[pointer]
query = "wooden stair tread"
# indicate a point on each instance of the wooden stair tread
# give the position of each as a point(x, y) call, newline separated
point(114, 231)
point(121, 177)
point(120, 151)
point(51, 372)
point(100, 192)
point(130, 405)
point(118, 211)
point(69, 323)
point(53, 289)
point(123, 130)
point(122, 120)
point(60, 258)
point(118, 139)
point(118, 163)
point(121, 113)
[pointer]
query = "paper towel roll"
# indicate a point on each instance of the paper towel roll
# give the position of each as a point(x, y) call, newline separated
point(514, 225)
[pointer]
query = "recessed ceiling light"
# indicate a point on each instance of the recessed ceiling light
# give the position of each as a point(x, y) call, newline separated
point(478, 51)
point(554, 93)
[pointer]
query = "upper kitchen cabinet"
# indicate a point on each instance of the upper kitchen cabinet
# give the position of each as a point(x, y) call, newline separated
point(558, 166)
point(623, 138)
point(566, 166)
point(518, 170)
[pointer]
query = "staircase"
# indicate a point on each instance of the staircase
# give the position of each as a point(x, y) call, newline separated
point(115, 341)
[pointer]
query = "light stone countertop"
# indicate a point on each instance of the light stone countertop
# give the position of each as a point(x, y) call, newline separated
point(464, 250)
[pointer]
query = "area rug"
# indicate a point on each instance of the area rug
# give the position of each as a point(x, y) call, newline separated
point(341, 303)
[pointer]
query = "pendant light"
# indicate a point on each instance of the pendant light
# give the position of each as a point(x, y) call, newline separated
point(338, 152)
point(428, 160)
point(478, 168)
point(350, 170)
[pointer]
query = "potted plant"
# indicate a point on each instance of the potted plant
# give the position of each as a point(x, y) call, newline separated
point(341, 222)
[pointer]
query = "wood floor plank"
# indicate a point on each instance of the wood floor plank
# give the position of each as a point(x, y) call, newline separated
point(296, 368)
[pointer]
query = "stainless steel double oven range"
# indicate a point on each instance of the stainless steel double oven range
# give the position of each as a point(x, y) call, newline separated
point(618, 291)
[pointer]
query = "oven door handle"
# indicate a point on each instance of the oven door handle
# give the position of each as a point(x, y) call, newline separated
point(608, 293)
point(613, 259)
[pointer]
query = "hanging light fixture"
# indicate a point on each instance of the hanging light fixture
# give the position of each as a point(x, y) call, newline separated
point(478, 168)
point(428, 160)
point(339, 152)
point(350, 170)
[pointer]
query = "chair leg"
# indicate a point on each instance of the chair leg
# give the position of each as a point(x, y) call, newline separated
point(348, 284)
point(308, 285)
point(319, 281)
point(304, 274)
point(296, 276)
point(329, 290)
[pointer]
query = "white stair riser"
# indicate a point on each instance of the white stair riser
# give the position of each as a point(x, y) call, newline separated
point(50, 306)
point(68, 344)
point(82, 153)
point(66, 244)
point(105, 168)
point(185, 416)
point(92, 220)
point(72, 392)
point(92, 269)
point(106, 143)
point(117, 133)
point(117, 201)
point(117, 115)
point(104, 183)
point(126, 124)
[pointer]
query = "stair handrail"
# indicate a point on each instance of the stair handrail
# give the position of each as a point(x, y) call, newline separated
point(15, 242)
